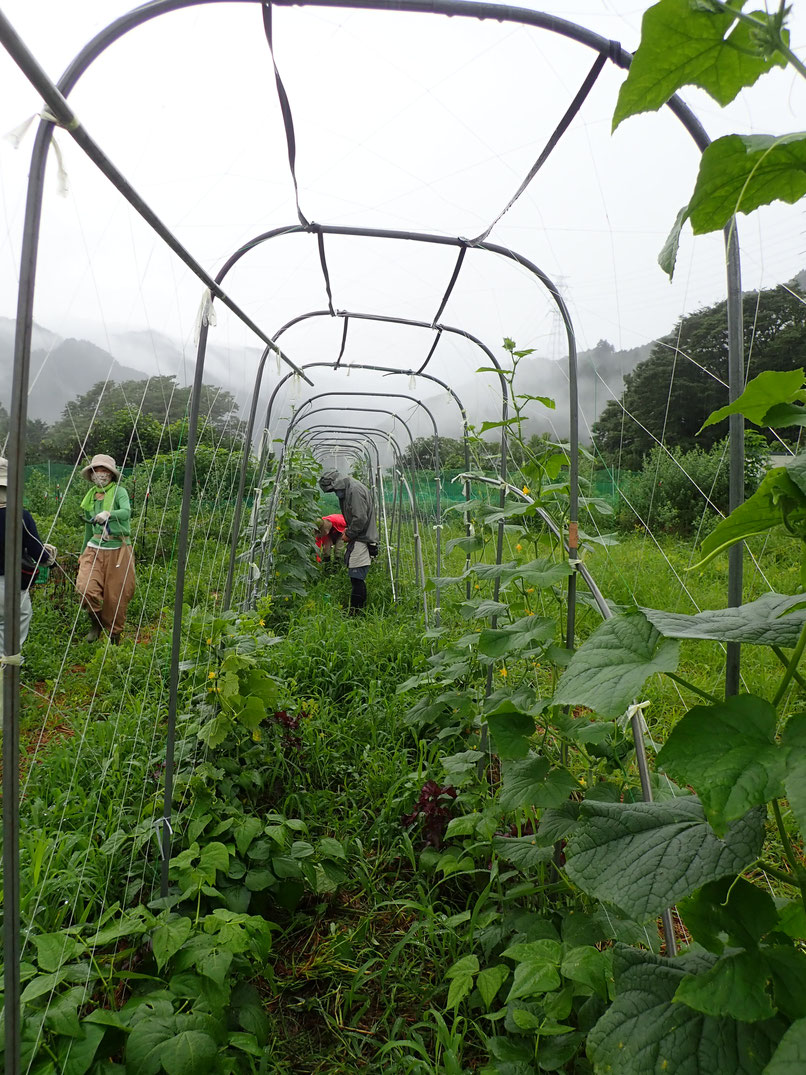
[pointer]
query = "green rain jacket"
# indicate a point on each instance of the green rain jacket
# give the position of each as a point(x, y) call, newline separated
point(118, 526)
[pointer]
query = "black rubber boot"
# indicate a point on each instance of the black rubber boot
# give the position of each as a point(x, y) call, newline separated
point(94, 632)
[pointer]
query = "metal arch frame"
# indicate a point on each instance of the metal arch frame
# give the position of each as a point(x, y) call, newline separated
point(301, 413)
point(55, 100)
point(387, 370)
point(311, 433)
point(370, 410)
point(380, 318)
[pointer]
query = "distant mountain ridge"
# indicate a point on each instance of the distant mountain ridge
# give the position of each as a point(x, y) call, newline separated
point(63, 368)
point(60, 369)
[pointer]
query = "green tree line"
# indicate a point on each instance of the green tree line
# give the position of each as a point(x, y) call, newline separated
point(132, 421)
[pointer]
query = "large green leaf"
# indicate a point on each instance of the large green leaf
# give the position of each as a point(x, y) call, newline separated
point(764, 622)
point(729, 755)
point(777, 498)
point(527, 632)
point(736, 986)
point(790, 1056)
point(644, 857)
point(732, 909)
point(521, 851)
point(609, 670)
point(738, 173)
point(511, 733)
point(793, 739)
point(684, 45)
point(770, 389)
point(644, 1032)
point(530, 782)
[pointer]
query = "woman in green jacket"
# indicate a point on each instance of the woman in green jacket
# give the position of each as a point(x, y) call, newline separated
point(106, 579)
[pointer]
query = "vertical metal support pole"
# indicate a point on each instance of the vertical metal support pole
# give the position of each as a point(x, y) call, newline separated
point(386, 534)
point(468, 591)
point(18, 417)
point(247, 455)
point(646, 792)
point(573, 493)
point(438, 506)
point(179, 598)
point(398, 501)
point(736, 432)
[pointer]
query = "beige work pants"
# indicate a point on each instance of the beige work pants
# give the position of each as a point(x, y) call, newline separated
point(105, 584)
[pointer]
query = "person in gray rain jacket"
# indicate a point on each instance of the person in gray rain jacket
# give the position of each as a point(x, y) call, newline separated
point(361, 535)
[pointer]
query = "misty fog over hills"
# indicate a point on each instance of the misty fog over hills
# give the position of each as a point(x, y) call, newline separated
point(62, 369)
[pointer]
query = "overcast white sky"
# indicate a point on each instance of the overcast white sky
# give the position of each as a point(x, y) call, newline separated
point(403, 121)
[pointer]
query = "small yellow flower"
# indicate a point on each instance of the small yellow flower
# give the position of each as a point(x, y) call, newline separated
point(502, 672)
point(525, 490)
point(529, 613)
point(209, 641)
point(519, 547)
point(531, 589)
point(211, 675)
point(262, 623)
point(478, 587)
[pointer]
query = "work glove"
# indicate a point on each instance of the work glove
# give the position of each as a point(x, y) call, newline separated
point(52, 552)
point(101, 517)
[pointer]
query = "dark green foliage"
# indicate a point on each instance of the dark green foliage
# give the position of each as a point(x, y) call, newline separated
point(685, 377)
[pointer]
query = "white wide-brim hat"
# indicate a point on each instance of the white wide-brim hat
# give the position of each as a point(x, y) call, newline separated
point(101, 461)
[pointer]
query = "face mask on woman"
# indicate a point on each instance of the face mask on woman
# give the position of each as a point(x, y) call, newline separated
point(101, 480)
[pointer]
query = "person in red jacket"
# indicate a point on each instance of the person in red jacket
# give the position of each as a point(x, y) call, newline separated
point(330, 537)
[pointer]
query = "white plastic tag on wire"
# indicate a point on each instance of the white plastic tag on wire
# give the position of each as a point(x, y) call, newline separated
point(278, 363)
point(412, 382)
point(206, 314)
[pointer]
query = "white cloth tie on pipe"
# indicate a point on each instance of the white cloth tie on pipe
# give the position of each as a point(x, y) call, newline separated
point(637, 710)
point(412, 382)
point(206, 314)
point(16, 136)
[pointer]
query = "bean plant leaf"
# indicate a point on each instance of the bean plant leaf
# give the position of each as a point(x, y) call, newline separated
point(644, 1031)
point(735, 986)
point(767, 621)
point(168, 938)
point(55, 949)
point(768, 390)
point(191, 1052)
point(790, 1056)
point(684, 45)
point(644, 857)
point(610, 668)
point(490, 981)
point(729, 755)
